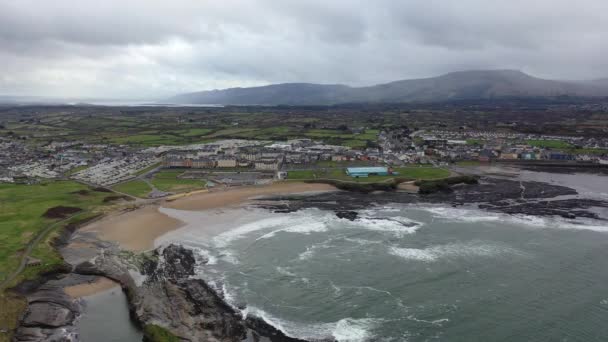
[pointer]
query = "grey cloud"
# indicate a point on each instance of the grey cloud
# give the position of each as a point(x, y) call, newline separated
point(156, 48)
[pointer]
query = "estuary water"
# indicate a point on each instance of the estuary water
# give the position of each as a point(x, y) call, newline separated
point(408, 272)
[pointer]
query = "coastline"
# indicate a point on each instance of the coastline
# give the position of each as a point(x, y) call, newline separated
point(134, 230)
point(236, 196)
point(137, 230)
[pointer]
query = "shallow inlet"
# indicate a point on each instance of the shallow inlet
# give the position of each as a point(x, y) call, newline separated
point(106, 318)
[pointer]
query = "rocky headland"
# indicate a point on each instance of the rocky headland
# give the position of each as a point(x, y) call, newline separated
point(163, 290)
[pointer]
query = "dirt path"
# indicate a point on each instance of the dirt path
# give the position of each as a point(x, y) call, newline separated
point(30, 247)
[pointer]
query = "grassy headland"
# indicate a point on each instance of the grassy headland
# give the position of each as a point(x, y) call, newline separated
point(31, 217)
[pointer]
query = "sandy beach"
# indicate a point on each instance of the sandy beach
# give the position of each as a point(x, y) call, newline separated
point(134, 230)
point(236, 196)
point(138, 229)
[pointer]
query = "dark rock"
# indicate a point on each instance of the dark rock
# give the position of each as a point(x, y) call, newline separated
point(569, 215)
point(260, 327)
point(347, 214)
point(49, 316)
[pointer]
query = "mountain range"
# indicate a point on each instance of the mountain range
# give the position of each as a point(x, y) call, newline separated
point(477, 84)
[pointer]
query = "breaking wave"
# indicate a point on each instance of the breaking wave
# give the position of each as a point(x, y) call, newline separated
point(344, 330)
point(478, 215)
point(452, 250)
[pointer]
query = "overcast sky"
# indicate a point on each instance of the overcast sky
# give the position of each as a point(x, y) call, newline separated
point(152, 49)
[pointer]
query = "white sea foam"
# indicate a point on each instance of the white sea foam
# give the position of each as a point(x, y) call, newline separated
point(398, 225)
point(451, 250)
point(203, 254)
point(461, 214)
point(227, 237)
point(301, 228)
point(307, 254)
point(478, 215)
point(344, 330)
point(285, 271)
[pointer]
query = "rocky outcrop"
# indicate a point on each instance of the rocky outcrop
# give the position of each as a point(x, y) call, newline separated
point(162, 292)
point(494, 194)
point(347, 214)
point(49, 316)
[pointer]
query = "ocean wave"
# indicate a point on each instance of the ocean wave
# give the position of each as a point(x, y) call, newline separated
point(202, 255)
point(478, 215)
point(303, 228)
point(398, 225)
point(224, 239)
point(452, 250)
point(461, 214)
point(344, 330)
point(284, 271)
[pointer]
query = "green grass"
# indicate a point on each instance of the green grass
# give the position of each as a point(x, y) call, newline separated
point(147, 139)
point(168, 181)
point(474, 142)
point(21, 210)
point(194, 132)
point(146, 170)
point(594, 151)
point(557, 144)
point(155, 333)
point(468, 163)
point(421, 172)
point(303, 175)
point(12, 307)
point(137, 188)
point(353, 143)
point(21, 220)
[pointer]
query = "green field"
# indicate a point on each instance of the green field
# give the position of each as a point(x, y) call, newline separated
point(21, 220)
point(468, 163)
point(593, 151)
point(146, 170)
point(414, 173)
point(22, 207)
point(475, 142)
point(168, 181)
point(137, 188)
point(557, 144)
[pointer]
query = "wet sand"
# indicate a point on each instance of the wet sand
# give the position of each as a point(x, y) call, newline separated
point(86, 289)
point(235, 196)
point(134, 230)
point(138, 229)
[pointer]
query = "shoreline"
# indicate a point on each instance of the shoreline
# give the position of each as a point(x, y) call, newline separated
point(100, 284)
point(137, 230)
point(235, 196)
point(138, 224)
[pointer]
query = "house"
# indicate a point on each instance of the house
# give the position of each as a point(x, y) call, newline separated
point(203, 163)
point(267, 165)
point(175, 162)
point(508, 156)
point(226, 162)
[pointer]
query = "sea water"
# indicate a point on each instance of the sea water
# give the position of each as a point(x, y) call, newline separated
point(106, 318)
point(408, 272)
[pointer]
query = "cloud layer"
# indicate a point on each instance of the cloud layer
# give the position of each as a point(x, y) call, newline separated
point(151, 49)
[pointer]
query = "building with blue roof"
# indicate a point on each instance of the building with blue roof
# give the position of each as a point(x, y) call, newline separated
point(358, 172)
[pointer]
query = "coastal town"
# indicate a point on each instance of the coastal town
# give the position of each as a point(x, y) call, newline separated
point(248, 161)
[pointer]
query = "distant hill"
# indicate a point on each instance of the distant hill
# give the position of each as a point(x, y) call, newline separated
point(479, 84)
